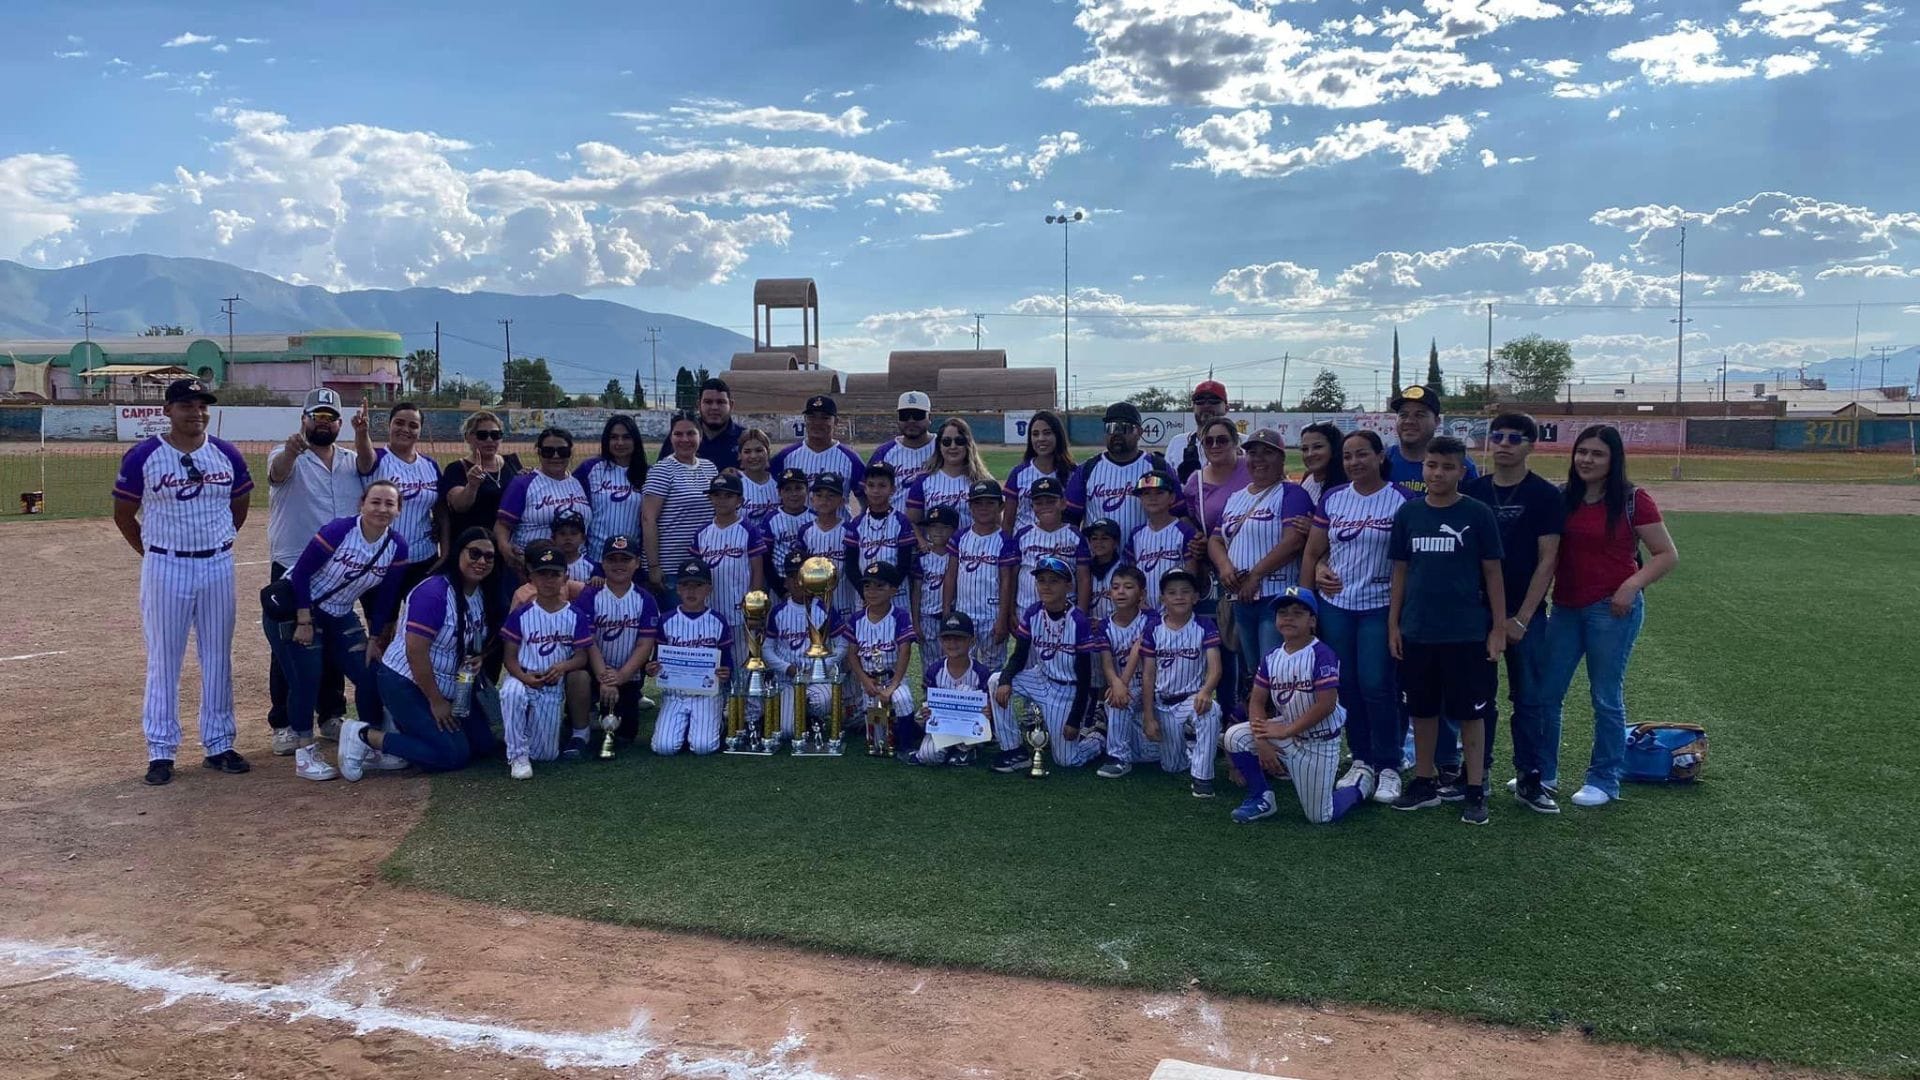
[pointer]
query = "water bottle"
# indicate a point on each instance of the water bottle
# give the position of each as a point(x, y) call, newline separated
point(463, 691)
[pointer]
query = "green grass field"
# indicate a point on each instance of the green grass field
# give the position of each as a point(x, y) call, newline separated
point(78, 480)
point(1767, 912)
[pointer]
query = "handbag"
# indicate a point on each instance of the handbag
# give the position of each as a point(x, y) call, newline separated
point(279, 604)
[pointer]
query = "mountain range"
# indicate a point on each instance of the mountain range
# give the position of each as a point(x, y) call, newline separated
point(586, 342)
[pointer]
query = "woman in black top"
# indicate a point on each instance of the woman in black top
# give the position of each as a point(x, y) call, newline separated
point(470, 488)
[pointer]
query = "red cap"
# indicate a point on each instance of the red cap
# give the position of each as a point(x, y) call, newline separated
point(1210, 387)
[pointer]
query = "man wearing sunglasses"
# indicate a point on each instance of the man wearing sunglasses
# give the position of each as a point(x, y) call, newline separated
point(1531, 514)
point(178, 501)
point(311, 480)
point(1209, 401)
point(719, 432)
point(1103, 486)
point(910, 452)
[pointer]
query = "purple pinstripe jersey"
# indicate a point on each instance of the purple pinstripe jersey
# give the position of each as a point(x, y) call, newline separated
point(832, 543)
point(930, 570)
point(1057, 640)
point(620, 623)
point(419, 484)
point(939, 676)
point(1120, 639)
point(878, 643)
point(729, 551)
point(938, 488)
point(175, 512)
point(1157, 551)
point(978, 559)
point(1102, 488)
point(704, 629)
point(546, 638)
point(909, 463)
point(339, 560)
point(1292, 678)
point(781, 530)
point(1018, 481)
point(1100, 605)
point(1033, 542)
point(1358, 528)
point(1179, 654)
point(837, 458)
point(886, 538)
point(615, 504)
point(533, 499)
point(430, 613)
point(759, 498)
point(1253, 523)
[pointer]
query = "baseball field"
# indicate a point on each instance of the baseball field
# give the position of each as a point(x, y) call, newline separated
point(785, 919)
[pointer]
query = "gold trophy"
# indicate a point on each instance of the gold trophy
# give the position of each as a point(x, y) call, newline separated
point(746, 734)
point(1036, 736)
point(879, 730)
point(818, 577)
point(608, 723)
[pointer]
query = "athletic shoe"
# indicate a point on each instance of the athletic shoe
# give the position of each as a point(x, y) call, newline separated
point(1203, 789)
point(1590, 796)
point(1011, 761)
point(1474, 810)
point(1448, 774)
point(1423, 792)
point(905, 757)
point(286, 741)
point(576, 749)
point(1452, 791)
point(330, 727)
point(381, 761)
point(649, 703)
point(226, 761)
point(354, 750)
point(521, 769)
point(1369, 783)
point(1387, 786)
point(1532, 794)
point(309, 765)
point(1551, 787)
point(159, 772)
point(1114, 770)
point(1256, 808)
point(1356, 772)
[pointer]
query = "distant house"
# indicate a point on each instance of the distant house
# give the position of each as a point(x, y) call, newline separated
point(354, 362)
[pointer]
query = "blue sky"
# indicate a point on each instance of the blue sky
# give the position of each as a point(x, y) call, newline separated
point(1260, 179)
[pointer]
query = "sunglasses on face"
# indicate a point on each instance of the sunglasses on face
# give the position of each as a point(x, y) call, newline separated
point(488, 436)
point(194, 475)
point(1215, 441)
point(556, 453)
point(1208, 400)
point(908, 415)
point(478, 554)
point(1122, 428)
point(1507, 438)
point(953, 440)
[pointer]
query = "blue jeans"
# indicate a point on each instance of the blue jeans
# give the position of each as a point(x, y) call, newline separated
point(339, 644)
point(1234, 683)
point(416, 737)
point(1369, 683)
point(1606, 643)
point(1258, 636)
point(1526, 678)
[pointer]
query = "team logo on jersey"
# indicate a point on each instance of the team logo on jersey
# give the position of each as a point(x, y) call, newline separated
point(548, 642)
point(559, 503)
point(1351, 528)
point(1149, 561)
point(185, 488)
point(611, 629)
point(1168, 655)
point(615, 492)
point(1111, 499)
point(413, 487)
point(1235, 522)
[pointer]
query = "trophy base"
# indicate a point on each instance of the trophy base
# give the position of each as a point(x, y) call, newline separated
point(807, 746)
point(751, 747)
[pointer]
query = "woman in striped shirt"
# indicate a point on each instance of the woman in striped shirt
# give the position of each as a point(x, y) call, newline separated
point(674, 507)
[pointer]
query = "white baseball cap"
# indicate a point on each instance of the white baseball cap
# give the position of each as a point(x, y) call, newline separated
point(323, 397)
point(914, 399)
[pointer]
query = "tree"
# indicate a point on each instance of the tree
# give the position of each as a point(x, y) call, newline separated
point(686, 392)
point(164, 330)
point(531, 384)
point(1154, 399)
point(455, 390)
point(613, 397)
point(1537, 366)
point(1434, 378)
point(639, 391)
point(1327, 395)
point(1393, 386)
point(421, 370)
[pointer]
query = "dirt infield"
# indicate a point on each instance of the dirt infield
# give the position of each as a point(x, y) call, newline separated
point(238, 926)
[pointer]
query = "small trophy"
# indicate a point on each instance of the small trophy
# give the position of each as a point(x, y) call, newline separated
point(1036, 735)
point(607, 722)
point(755, 697)
point(879, 730)
point(818, 577)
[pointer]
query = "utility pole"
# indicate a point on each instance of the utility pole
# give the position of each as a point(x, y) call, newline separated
point(976, 331)
point(506, 383)
point(436, 356)
point(653, 339)
point(1066, 300)
point(1488, 385)
point(227, 304)
point(1284, 359)
point(1883, 350)
point(86, 313)
point(1856, 348)
point(1680, 341)
point(1726, 407)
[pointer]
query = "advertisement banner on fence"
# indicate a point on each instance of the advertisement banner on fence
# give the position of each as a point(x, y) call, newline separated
point(1159, 430)
point(1014, 427)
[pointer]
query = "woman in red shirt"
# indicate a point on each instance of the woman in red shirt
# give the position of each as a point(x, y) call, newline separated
point(1597, 602)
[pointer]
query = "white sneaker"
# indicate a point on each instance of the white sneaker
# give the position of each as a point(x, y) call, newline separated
point(1387, 786)
point(1369, 783)
point(522, 769)
point(286, 741)
point(330, 728)
point(381, 761)
point(1355, 772)
point(309, 765)
point(354, 750)
point(1588, 795)
point(1513, 784)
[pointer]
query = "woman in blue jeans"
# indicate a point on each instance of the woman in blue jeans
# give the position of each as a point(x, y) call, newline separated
point(1597, 604)
point(1255, 549)
point(1346, 563)
point(452, 620)
point(348, 558)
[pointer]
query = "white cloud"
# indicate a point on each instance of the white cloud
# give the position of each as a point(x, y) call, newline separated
point(1050, 149)
point(1224, 55)
point(1234, 144)
point(220, 48)
point(1791, 18)
point(962, 231)
point(958, 38)
point(1616, 112)
point(1604, 8)
point(707, 114)
point(916, 202)
point(1113, 316)
point(1781, 65)
point(1771, 230)
point(1587, 91)
point(42, 208)
point(249, 41)
point(1472, 18)
point(1276, 283)
point(1488, 159)
point(1690, 53)
point(187, 38)
point(971, 155)
point(1558, 69)
point(76, 54)
point(1867, 270)
point(964, 10)
point(1772, 283)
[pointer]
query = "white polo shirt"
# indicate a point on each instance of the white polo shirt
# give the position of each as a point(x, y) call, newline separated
point(308, 498)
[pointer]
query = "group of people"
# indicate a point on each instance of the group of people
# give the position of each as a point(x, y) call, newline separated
point(1148, 608)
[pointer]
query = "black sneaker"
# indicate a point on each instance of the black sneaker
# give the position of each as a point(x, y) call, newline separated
point(160, 772)
point(1203, 789)
point(1010, 761)
point(1451, 791)
point(1532, 794)
point(1448, 775)
point(226, 761)
point(576, 749)
point(1474, 810)
point(1422, 792)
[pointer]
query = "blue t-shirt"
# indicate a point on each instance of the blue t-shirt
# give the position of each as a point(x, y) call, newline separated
point(1411, 474)
point(1443, 547)
point(1526, 512)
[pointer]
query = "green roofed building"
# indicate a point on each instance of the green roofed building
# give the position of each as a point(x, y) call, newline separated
point(354, 362)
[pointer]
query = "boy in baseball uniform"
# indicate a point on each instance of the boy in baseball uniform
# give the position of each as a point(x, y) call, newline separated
point(1163, 543)
point(1052, 667)
point(688, 720)
point(782, 526)
point(1051, 535)
point(879, 647)
point(624, 621)
point(1180, 668)
point(1104, 556)
point(827, 535)
point(1121, 664)
point(929, 572)
point(1295, 717)
point(954, 669)
point(881, 534)
point(982, 561)
point(547, 641)
point(785, 646)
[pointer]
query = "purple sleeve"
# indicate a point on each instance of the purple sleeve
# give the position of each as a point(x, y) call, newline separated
point(1077, 486)
point(583, 474)
point(779, 459)
point(1009, 550)
point(131, 484)
point(953, 546)
point(1294, 502)
point(1011, 489)
point(917, 494)
point(1083, 633)
point(1098, 641)
point(879, 453)
point(726, 642)
point(1260, 677)
point(386, 598)
point(427, 607)
point(318, 551)
point(1210, 636)
point(582, 629)
point(649, 617)
point(1326, 666)
point(843, 631)
point(1081, 555)
point(510, 630)
point(513, 501)
point(931, 671)
point(757, 542)
point(859, 473)
point(1020, 628)
point(584, 602)
point(981, 675)
point(242, 476)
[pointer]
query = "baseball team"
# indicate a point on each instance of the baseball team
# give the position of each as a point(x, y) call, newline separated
point(1146, 608)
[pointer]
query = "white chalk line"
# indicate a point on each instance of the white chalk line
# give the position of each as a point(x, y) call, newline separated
point(254, 562)
point(33, 655)
point(318, 999)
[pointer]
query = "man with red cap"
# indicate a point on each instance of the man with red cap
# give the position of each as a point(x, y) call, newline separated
point(1209, 401)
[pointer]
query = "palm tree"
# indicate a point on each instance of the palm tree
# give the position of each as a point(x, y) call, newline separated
point(422, 370)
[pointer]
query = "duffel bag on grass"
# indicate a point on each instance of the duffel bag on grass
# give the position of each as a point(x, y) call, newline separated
point(1657, 753)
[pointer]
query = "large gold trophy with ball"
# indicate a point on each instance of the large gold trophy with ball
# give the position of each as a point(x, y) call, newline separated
point(755, 700)
point(811, 737)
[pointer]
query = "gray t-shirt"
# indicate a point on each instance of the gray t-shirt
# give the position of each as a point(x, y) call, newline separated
point(310, 496)
point(1443, 547)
